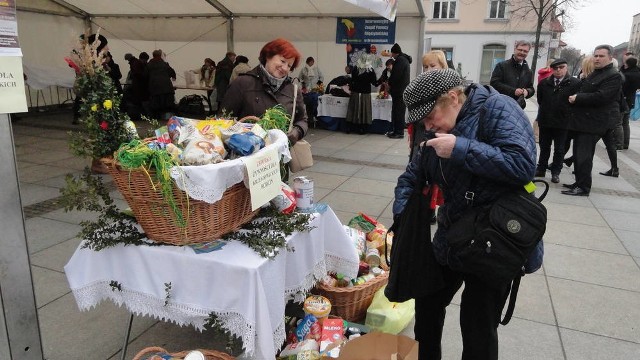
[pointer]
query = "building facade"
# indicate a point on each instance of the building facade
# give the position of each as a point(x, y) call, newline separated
point(476, 35)
point(634, 38)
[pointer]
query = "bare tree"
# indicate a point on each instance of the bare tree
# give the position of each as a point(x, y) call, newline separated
point(574, 58)
point(543, 11)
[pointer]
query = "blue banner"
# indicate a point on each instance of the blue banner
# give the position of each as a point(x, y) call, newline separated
point(359, 30)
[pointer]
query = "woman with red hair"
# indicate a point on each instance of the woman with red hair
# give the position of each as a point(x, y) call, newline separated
point(268, 85)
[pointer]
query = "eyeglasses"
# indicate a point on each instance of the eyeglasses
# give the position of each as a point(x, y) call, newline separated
point(628, 53)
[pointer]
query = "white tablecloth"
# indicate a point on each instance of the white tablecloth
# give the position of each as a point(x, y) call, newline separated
point(245, 291)
point(334, 106)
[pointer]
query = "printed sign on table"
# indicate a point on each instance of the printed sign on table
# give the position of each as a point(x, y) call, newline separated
point(263, 170)
point(12, 98)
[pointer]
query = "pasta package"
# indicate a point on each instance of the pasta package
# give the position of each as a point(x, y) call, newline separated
point(202, 151)
point(209, 128)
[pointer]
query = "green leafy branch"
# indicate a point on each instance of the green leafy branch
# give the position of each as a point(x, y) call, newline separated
point(267, 234)
point(112, 227)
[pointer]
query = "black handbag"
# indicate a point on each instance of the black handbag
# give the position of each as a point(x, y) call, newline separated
point(494, 242)
point(414, 271)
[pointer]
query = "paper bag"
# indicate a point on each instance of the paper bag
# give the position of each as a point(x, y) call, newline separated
point(301, 157)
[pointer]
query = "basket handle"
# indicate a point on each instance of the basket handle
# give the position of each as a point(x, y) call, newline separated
point(249, 118)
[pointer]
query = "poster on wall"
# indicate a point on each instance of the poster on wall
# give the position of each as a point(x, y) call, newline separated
point(9, 45)
point(385, 8)
point(360, 30)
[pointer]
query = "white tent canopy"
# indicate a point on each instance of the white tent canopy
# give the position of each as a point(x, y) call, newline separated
point(190, 30)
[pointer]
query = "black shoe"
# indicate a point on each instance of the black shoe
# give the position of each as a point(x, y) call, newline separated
point(570, 186)
point(395, 136)
point(612, 172)
point(389, 133)
point(555, 178)
point(568, 162)
point(575, 192)
point(540, 173)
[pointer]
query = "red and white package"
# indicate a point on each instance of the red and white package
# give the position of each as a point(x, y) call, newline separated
point(285, 202)
point(332, 332)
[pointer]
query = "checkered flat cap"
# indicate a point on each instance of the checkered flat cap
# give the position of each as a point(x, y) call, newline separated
point(421, 94)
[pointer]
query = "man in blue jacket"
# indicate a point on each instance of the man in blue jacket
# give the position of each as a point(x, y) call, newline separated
point(483, 146)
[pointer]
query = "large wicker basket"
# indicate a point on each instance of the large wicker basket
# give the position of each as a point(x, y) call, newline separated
point(204, 221)
point(156, 353)
point(351, 303)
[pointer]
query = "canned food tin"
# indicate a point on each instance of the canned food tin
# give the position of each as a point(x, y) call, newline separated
point(303, 188)
point(373, 257)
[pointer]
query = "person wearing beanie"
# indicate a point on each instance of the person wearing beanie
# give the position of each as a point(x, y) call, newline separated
point(398, 81)
point(482, 137)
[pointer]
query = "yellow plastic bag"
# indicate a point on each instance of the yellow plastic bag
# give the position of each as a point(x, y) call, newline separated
point(389, 317)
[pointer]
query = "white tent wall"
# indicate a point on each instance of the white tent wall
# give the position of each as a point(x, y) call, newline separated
point(45, 40)
point(187, 40)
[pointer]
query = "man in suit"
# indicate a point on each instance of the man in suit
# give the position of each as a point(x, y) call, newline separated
point(513, 77)
point(553, 116)
point(595, 106)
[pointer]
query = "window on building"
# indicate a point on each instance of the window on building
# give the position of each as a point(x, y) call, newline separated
point(448, 52)
point(492, 54)
point(444, 9)
point(497, 9)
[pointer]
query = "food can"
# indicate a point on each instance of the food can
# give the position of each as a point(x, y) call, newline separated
point(373, 257)
point(303, 187)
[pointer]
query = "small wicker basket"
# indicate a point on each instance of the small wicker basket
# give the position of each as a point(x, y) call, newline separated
point(204, 221)
point(155, 353)
point(351, 303)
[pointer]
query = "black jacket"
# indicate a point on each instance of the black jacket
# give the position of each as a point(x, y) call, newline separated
point(597, 104)
point(362, 80)
point(400, 75)
point(553, 103)
point(508, 76)
point(631, 84)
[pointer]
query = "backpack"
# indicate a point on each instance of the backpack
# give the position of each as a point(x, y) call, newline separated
point(193, 106)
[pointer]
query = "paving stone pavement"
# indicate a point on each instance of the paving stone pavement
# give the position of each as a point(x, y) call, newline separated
point(583, 304)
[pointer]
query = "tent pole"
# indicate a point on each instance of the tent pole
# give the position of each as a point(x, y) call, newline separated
point(230, 33)
point(422, 31)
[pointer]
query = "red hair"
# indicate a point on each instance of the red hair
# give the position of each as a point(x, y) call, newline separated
point(281, 47)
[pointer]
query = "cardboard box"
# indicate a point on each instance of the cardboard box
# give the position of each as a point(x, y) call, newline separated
point(380, 346)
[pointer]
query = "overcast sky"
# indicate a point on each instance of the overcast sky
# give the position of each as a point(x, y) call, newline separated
point(601, 22)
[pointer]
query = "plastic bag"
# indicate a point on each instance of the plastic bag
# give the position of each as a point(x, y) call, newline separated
point(635, 112)
point(363, 222)
point(389, 317)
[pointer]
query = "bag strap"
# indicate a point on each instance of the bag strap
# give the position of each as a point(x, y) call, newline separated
point(295, 99)
point(515, 285)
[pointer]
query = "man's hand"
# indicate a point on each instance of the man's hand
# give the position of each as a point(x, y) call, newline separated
point(572, 99)
point(519, 92)
point(443, 144)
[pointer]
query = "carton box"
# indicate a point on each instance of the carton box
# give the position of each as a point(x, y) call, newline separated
point(380, 346)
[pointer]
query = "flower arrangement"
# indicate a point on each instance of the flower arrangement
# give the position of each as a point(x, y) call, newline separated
point(100, 116)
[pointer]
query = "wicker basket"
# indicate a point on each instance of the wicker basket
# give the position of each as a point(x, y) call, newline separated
point(155, 353)
point(351, 303)
point(204, 221)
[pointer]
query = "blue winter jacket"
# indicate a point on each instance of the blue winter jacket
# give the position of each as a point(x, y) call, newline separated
point(500, 157)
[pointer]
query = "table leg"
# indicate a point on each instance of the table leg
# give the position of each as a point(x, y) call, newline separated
point(126, 338)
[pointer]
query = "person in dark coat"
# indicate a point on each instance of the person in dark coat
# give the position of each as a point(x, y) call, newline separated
point(161, 91)
point(631, 84)
point(553, 116)
point(113, 70)
point(513, 77)
point(359, 115)
point(268, 85)
point(594, 108)
point(398, 81)
point(223, 76)
point(504, 159)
